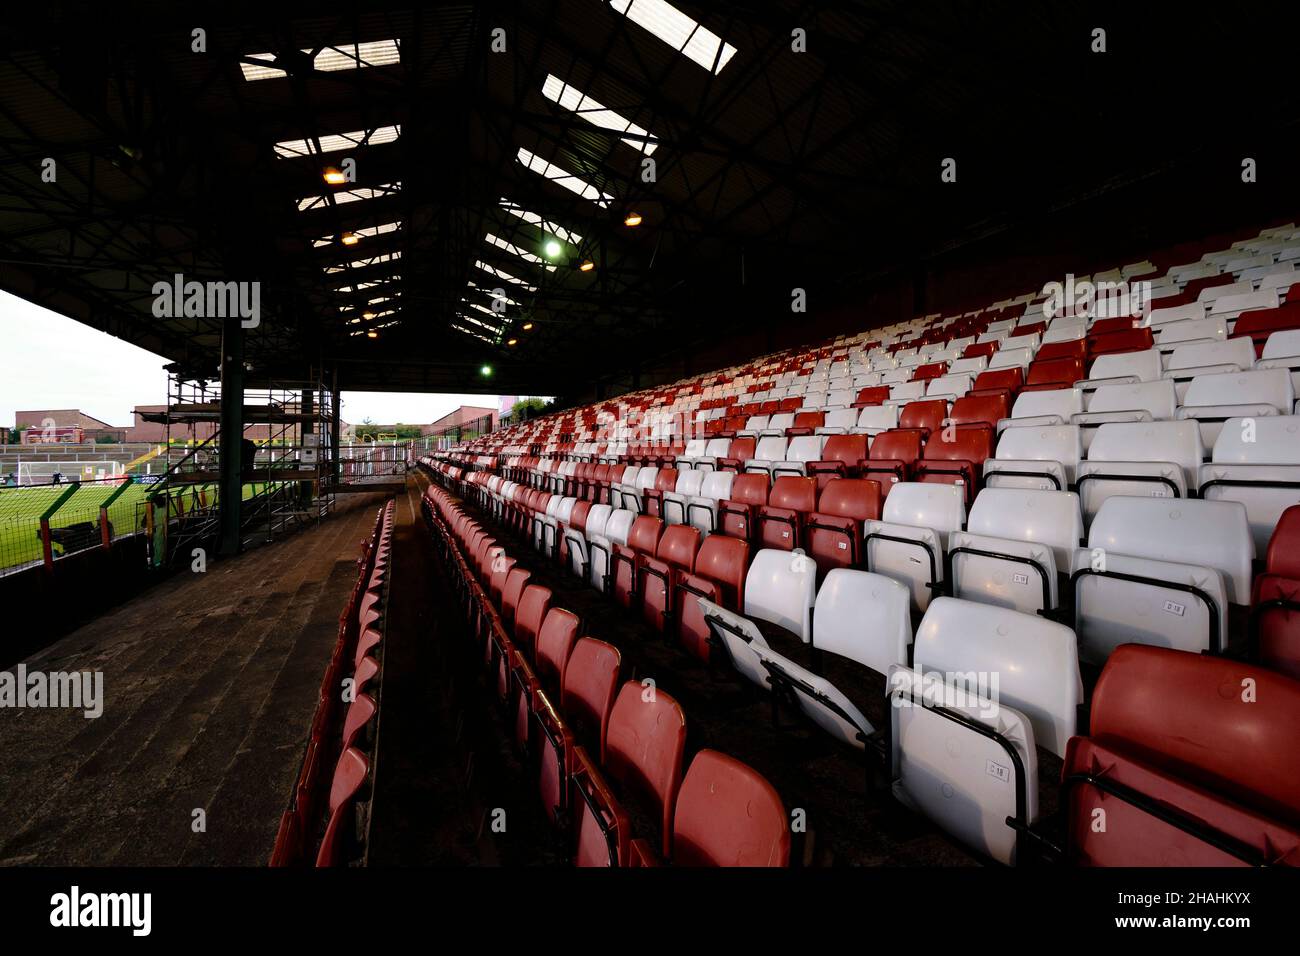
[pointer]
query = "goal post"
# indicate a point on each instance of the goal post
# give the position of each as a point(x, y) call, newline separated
point(43, 472)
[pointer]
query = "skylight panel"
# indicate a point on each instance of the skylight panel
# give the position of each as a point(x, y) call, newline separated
point(515, 250)
point(362, 286)
point(368, 232)
point(561, 178)
point(502, 274)
point(352, 56)
point(350, 195)
point(367, 261)
point(505, 298)
point(559, 232)
point(338, 141)
point(679, 31)
point(557, 91)
point(346, 56)
point(478, 335)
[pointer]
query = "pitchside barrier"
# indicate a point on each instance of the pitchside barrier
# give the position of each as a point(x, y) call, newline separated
point(40, 524)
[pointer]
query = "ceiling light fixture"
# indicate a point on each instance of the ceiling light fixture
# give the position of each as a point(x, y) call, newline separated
point(632, 219)
point(334, 176)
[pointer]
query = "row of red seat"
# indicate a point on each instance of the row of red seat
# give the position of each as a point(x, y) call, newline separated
point(356, 658)
point(719, 812)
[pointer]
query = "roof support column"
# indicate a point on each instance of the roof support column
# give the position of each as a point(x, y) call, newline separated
point(230, 503)
point(336, 430)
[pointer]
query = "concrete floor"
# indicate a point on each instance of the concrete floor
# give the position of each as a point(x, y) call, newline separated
point(210, 683)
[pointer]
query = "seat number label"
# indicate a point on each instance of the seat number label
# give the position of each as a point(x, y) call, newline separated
point(1173, 607)
point(843, 545)
point(997, 771)
point(1020, 578)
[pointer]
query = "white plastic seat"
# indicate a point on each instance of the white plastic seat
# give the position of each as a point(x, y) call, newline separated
point(1230, 306)
point(1144, 402)
point(1174, 334)
point(1213, 399)
point(576, 541)
point(1031, 663)
point(1140, 459)
point(1011, 358)
point(1016, 540)
point(798, 453)
point(1208, 358)
point(823, 702)
point(906, 391)
point(600, 547)
point(841, 418)
point(864, 617)
point(740, 639)
point(907, 544)
point(768, 450)
point(1050, 407)
point(1125, 368)
point(780, 587)
point(702, 511)
point(673, 507)
point(874, 419)
point(1180, 553)
point(1256, 462)
point(778, 423)
point(1041, 456)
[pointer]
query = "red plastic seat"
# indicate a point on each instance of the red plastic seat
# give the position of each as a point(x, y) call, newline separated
point(956, 462)
point(893, 457)
point(840, 457)
point(980, 411)
point(665, 480)
point(1115, 343)
point(736, 515)
point(728, 815)
point(349, 775)
point(1054, 373)
point(359, 714)
point(642, 539)
point(806, 423)
point(555, 640)
point(719, 576)
point(588, 687)
point(1008, 381)
point(657, 574)
point(780, 521)
point(602, 830)
point(872, 395)
point(1107, 326)
point(927, 415)
point(534, 602)
point(923, 373)
point(516, 580)
point(1275, 599)
point(835, 528)
point(980, 350)
point(741, 451)
point(646, 742)
point(1259, 324)
point(1075, 348)
point(1204, 741)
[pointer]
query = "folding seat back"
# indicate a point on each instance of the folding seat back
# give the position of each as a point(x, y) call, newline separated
point(1257, 325)
point(702, 511)
point(980, 410)
point(806, 422)
point(780, 521)
point(1212, 399)
point(736, 515)
point(1010, 380)
point(603, 830)
point(688, 486)
point(1051, 407)
point(1275, 600)
point(840, 419)
point(834, 530)
point(878, 418)
point(555, 640)
point(801, 451)
point(1170, 780)
point(534, 603)
point(956, 457)
point(349, 776)
point(1161, 572)
point(1151, 459)
point(863, 617)
point(872, 395)
point(601, 548)
point(1142, 402)
point(513, 589)
point(644, 749)
point(1033, 661)
point(741, 451)
point(839, 457)
point(657, 573)
point(1011, 358)
point(721, 565)
point(590, 682)
point(728, 815)
point(906, 545)
point(1039, 456)
point(966, 761)
point(1016, 541)
point(932, 370)
point(780, 588)
point(770, 448)
point(1256, 461)
point(893, 456)
point(642, 539)
point(927, 416)
point(1062, 372)
point(1121, 342)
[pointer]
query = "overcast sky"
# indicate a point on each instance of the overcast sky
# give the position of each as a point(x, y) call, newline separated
point(49, 361)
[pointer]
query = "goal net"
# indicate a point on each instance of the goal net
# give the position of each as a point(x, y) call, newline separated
point(43, 472)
